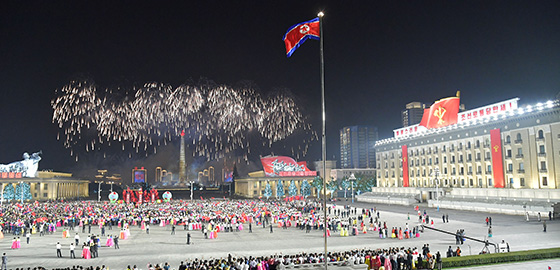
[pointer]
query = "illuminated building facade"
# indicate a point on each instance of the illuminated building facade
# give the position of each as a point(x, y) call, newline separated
point(505, 147)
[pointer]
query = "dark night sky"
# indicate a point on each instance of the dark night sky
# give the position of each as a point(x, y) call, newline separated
point(379, 55)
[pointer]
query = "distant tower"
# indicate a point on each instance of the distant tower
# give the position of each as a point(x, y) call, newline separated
point(158, 174)
point(182, 165)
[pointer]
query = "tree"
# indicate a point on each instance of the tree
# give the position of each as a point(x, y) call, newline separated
point(292, 191)
point(268, 190)
point(279, 189)
point(332, 186)
point(9, 192)
point(364, 183)
point(318, 184)
point(305, 189)
point(23, 189)
point(345, 184)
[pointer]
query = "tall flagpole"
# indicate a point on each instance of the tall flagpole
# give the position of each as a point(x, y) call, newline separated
point(324, 137)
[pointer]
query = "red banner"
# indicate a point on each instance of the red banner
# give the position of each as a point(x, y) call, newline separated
point(405, 165)
point(285, 166)
point(497, 161)
point(442, 113)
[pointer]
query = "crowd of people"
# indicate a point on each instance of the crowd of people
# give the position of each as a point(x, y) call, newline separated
point(211, 218)
point(376, 259)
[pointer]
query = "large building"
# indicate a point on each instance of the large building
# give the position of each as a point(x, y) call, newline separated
point(499, 146)
point(357, 146)
point(412, 113)
point(51, 186)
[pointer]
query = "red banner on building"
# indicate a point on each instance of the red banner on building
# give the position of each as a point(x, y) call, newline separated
point(285, 166)
point(442, 113)
point(497, 159)
point(405, 165)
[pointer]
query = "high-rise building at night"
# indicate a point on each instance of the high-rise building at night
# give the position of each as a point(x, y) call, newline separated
point(357, 146)
point(158, 174)
point(412, 115)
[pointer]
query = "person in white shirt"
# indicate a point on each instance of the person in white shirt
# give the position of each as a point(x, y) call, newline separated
point(72, 254)
point(58, 250)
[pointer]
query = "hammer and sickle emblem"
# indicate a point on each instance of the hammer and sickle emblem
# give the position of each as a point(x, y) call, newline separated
point(439, 113)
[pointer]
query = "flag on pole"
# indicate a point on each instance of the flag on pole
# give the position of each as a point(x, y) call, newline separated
point(299, 33)
point(442, 113)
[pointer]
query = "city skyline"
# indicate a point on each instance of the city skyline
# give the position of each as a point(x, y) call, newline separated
point(378, 58)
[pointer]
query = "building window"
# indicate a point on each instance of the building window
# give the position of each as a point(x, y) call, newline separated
point(480, 182)
point(454, 182)
point(445, 170)
point(462, 182)
point(544, 181)
point(543, 166)
point(541, 134)
point(522, 182)
point(541, 149)
point(446, 182)
point(468, 145)
point(510, 167)
point(490, 182)
point(45, 195)
point(489, 169)
point(471, 182)
point(508, 153)
point(508, 139)
point(518, 138)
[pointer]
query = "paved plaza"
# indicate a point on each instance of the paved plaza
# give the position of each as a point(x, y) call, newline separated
point(160, 246)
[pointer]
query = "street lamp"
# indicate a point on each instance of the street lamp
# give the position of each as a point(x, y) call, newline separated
point(352, 178)
point(436, 173)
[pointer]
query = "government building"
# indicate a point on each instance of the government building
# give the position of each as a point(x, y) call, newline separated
point(501, 151)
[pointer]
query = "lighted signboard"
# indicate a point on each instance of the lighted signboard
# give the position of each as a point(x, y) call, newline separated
point(285, 166)
point(139, 175)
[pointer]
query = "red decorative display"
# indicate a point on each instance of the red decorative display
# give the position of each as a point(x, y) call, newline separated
point(285, 166)
point(442, 113)
point(497, 160)
point(405, 165)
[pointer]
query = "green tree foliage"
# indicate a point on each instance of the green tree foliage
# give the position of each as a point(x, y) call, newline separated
point(305, 189)
point(268, 190)
point(364, 183)
point(332, 186)
point(26, 192)
point(317, 183)
point(292, 191)
point(279, 189)
point(9, 192)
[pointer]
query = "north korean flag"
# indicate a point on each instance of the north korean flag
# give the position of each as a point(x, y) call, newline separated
point(299, 33)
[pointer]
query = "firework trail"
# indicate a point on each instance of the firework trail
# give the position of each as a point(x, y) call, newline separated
point(217, 119)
